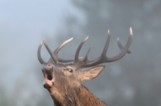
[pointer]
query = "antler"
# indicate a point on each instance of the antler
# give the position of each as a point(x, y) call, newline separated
point(83, 62)
point(103, 58)
point(54, 55)
point(39, 54)
point(121, 46)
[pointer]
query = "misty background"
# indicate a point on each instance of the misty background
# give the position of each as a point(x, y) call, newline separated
point(134, 80)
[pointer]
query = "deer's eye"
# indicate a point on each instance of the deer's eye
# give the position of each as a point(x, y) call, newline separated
point(70, 70)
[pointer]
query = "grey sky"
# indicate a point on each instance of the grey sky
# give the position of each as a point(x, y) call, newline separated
point(23, 23)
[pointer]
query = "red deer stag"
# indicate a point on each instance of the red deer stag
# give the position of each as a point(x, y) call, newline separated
point(63, 78)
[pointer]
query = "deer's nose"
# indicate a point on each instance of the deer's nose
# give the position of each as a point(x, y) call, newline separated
point(48, 83)
point(48, 67)
point(48, 80)
point(46, 86)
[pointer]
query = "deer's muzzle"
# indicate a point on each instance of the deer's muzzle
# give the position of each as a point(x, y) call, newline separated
point(48, 78)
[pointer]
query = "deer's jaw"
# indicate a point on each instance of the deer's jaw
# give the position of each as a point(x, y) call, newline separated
point(49, 84)
point(48, 79)
point(58, 87)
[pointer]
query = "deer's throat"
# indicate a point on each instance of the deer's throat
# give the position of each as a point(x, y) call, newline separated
point(77, 97)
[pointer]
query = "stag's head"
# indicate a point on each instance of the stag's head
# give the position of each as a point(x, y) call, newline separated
point(64, 77)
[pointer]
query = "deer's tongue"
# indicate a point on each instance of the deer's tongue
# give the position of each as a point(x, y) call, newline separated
point(48, 80)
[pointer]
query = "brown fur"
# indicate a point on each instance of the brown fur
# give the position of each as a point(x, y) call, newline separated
point(66, 88)
point(78, 97)
point(88, 99)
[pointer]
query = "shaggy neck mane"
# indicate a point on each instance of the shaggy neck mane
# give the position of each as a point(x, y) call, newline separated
point(79, 97)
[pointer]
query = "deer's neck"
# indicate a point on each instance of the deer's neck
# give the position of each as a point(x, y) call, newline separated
point(79, 97)
point(86, 98)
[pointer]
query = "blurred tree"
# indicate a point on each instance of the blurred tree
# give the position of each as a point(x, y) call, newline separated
point(4, 99)
point(132, 82)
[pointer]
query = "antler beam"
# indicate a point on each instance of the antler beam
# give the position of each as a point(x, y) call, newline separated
point(81, 62)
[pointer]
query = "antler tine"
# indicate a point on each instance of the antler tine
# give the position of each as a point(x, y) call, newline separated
point(103, 55)
point(106, 45)
point(86, 57)
point(54, 58)
point(76, 59)
point(121, 46)
point(124, 50)
point(62, 45)
point(39, 54)
point(55, 53)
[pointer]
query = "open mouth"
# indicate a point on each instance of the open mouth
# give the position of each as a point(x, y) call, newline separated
point(48, 79)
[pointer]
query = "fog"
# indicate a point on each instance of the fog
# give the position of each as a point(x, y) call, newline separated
point(135, 80)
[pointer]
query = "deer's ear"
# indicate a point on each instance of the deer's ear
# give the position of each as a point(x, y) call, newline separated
point(91, 73)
